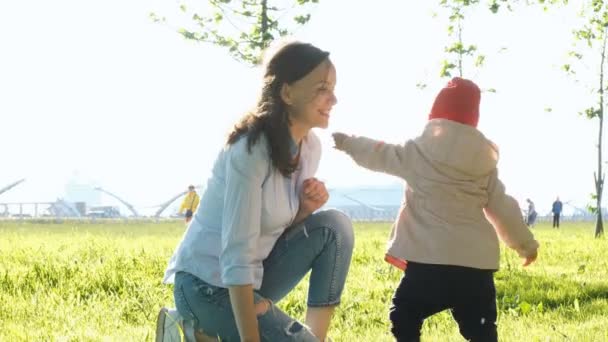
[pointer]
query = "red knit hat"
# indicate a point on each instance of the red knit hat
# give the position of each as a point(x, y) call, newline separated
point(458, 101)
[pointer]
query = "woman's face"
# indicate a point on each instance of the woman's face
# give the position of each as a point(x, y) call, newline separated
point(310, 99)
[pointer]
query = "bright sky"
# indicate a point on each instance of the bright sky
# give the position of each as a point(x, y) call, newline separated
point(95, 92)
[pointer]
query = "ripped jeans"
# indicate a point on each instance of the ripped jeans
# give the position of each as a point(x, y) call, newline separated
point(322, 244)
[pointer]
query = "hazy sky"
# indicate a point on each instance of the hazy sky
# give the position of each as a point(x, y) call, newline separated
point(95, 92)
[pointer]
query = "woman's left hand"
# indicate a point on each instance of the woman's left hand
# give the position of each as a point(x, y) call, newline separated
point(313, 195)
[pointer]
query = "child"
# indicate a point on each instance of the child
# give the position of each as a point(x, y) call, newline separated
point(450, 248)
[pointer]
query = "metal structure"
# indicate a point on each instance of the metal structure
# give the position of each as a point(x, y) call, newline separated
point(61, 208)
point(127, 204)
point(577, 210)
point(359, 206)
point(10, 186)
point(362, 203)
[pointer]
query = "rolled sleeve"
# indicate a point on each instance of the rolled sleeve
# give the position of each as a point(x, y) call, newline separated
point(241, 218)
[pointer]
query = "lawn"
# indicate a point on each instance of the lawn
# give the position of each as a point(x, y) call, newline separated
point(79, 281)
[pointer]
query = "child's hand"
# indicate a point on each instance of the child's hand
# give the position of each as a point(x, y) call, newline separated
point(339, 140)
point(530, 259)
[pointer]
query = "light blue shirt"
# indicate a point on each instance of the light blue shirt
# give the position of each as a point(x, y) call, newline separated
point(246, 206)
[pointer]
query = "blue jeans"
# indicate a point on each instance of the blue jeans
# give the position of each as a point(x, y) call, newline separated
point(323, 244)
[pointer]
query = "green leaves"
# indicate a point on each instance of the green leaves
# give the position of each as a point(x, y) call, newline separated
point(592, 208)
point(458, 48)
point(302, 19)
point(245, 28)
point(155, 18)
point(421, 85)
point(514, 306)
point(186, 34)
point(446, 69)
point(591, 113)
point(525, 308)
point(457, 51)
point(575, 54)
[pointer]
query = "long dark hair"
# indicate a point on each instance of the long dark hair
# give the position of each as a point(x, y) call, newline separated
point(289, 64)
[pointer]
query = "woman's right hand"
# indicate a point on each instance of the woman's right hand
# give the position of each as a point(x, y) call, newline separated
point(530, 258)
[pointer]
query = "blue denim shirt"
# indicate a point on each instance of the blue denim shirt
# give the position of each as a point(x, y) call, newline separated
point(245, 207)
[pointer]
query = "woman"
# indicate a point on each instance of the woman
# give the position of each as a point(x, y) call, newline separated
point(259, 232)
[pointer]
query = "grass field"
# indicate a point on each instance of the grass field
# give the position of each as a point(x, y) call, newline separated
point(102, 282)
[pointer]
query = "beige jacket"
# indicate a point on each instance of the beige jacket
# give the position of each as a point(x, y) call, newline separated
point(454, 205)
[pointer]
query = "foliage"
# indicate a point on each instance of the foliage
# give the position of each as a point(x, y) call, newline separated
point(245, 28)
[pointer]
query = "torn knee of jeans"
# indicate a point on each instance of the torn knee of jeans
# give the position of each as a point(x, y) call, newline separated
point(203, 288)
point(294, 328)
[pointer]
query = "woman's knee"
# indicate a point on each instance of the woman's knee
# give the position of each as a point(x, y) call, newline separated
point(340, 224)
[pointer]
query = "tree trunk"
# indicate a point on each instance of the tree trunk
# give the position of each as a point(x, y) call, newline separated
point(599, 223)
point(460, 53)
point(599, 177)
point(264, 24)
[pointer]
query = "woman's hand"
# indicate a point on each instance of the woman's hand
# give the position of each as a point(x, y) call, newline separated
point(313, 196)
point(530, 259)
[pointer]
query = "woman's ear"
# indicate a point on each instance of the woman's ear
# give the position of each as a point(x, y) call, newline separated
point(286, 94)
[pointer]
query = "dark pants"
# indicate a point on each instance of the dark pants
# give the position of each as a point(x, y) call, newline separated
point(531, 218)
point(556, 220)
point(189, 215)
point(428, 289)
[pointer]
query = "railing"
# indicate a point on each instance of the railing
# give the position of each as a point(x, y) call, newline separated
point(355, 212)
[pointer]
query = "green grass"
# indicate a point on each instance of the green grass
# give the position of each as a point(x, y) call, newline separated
point(102, 282)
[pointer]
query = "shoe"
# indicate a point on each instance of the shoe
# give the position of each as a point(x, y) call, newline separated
point(169, 326)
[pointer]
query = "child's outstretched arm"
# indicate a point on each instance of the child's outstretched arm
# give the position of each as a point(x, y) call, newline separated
point(503, 212)
point(375, 155)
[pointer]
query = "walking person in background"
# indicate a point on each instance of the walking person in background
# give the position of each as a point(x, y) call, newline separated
point(190, 203)
point(531, 213)
point(557, 211)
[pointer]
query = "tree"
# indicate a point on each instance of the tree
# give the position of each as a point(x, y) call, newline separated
point(590, 46)
point(456, 50)
point(247, 27)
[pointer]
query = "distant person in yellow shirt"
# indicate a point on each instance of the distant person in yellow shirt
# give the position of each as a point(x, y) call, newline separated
point(190, 203)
